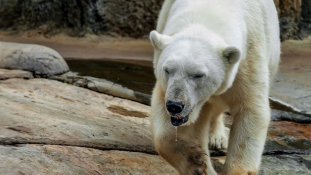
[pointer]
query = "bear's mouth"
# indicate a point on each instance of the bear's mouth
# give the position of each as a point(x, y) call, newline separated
point(177, 121)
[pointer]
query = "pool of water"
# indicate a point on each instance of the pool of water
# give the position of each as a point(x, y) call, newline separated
point(137, 77)
point(133, 76)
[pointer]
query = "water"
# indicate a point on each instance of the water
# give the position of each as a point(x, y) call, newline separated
point(133, 76)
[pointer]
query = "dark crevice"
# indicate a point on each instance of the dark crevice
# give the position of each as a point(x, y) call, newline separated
point(103, 147)
point(287, 152)
point(219, 153)
point(129, 148)
point(79, 3)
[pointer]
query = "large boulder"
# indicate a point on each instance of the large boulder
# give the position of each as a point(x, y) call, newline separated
point(39, 59)
point(49, 127)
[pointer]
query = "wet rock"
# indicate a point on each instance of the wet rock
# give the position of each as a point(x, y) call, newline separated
point(7, 74)
point(35, 58)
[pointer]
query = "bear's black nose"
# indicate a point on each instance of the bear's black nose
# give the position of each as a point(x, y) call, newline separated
point(174, 107)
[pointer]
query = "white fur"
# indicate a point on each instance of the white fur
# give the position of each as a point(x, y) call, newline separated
point(234, 45)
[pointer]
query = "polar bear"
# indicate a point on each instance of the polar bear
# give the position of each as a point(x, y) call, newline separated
point(210, 56)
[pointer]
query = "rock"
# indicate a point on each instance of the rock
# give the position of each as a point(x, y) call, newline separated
point(125, 17)
point(286, 165)
point(133, 18)
point(35, 58)
point(50, 127)
point(277, 164)
point(7, 74)
point(305, 26)
point(103, 86)
point(289, 16)
point(77, 18)
point(47, 107)
point(54, 159)
point(278, 115)
point(290, 86)
point(283, 137)
point(288, 138)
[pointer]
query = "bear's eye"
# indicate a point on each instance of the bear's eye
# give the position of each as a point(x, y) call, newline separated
point(166, 71)
point(197, 76)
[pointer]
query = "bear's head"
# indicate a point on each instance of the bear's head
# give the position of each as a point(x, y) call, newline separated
point(191, 69)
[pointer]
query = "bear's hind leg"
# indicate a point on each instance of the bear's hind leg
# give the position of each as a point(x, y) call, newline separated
point(218, 134)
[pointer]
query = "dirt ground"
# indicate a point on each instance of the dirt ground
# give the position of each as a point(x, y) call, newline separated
point(92, 47)
point(295, 54)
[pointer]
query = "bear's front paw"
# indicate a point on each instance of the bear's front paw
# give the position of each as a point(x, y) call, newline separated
point(197, 160)
point(219, 139)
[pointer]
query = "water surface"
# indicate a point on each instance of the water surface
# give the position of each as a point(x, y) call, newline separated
point(133, 76)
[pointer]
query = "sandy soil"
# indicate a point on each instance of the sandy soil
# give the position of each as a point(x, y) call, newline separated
point(92, 47)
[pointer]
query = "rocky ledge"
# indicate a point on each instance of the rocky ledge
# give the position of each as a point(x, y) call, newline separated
point(50, 127)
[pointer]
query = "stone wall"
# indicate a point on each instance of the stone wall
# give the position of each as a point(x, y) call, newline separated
point(295, 18)
point(305, 25)
point(289, 17)
point(133, 18)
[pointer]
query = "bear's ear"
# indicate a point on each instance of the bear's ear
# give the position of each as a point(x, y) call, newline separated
point(231, 55)
point(157, 40)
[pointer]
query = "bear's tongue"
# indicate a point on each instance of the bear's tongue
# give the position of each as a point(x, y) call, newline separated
point(177, 121)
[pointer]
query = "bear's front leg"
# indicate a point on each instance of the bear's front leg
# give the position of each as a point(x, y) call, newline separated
point(187, 156)
point(251, 117)
point(188, 152)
